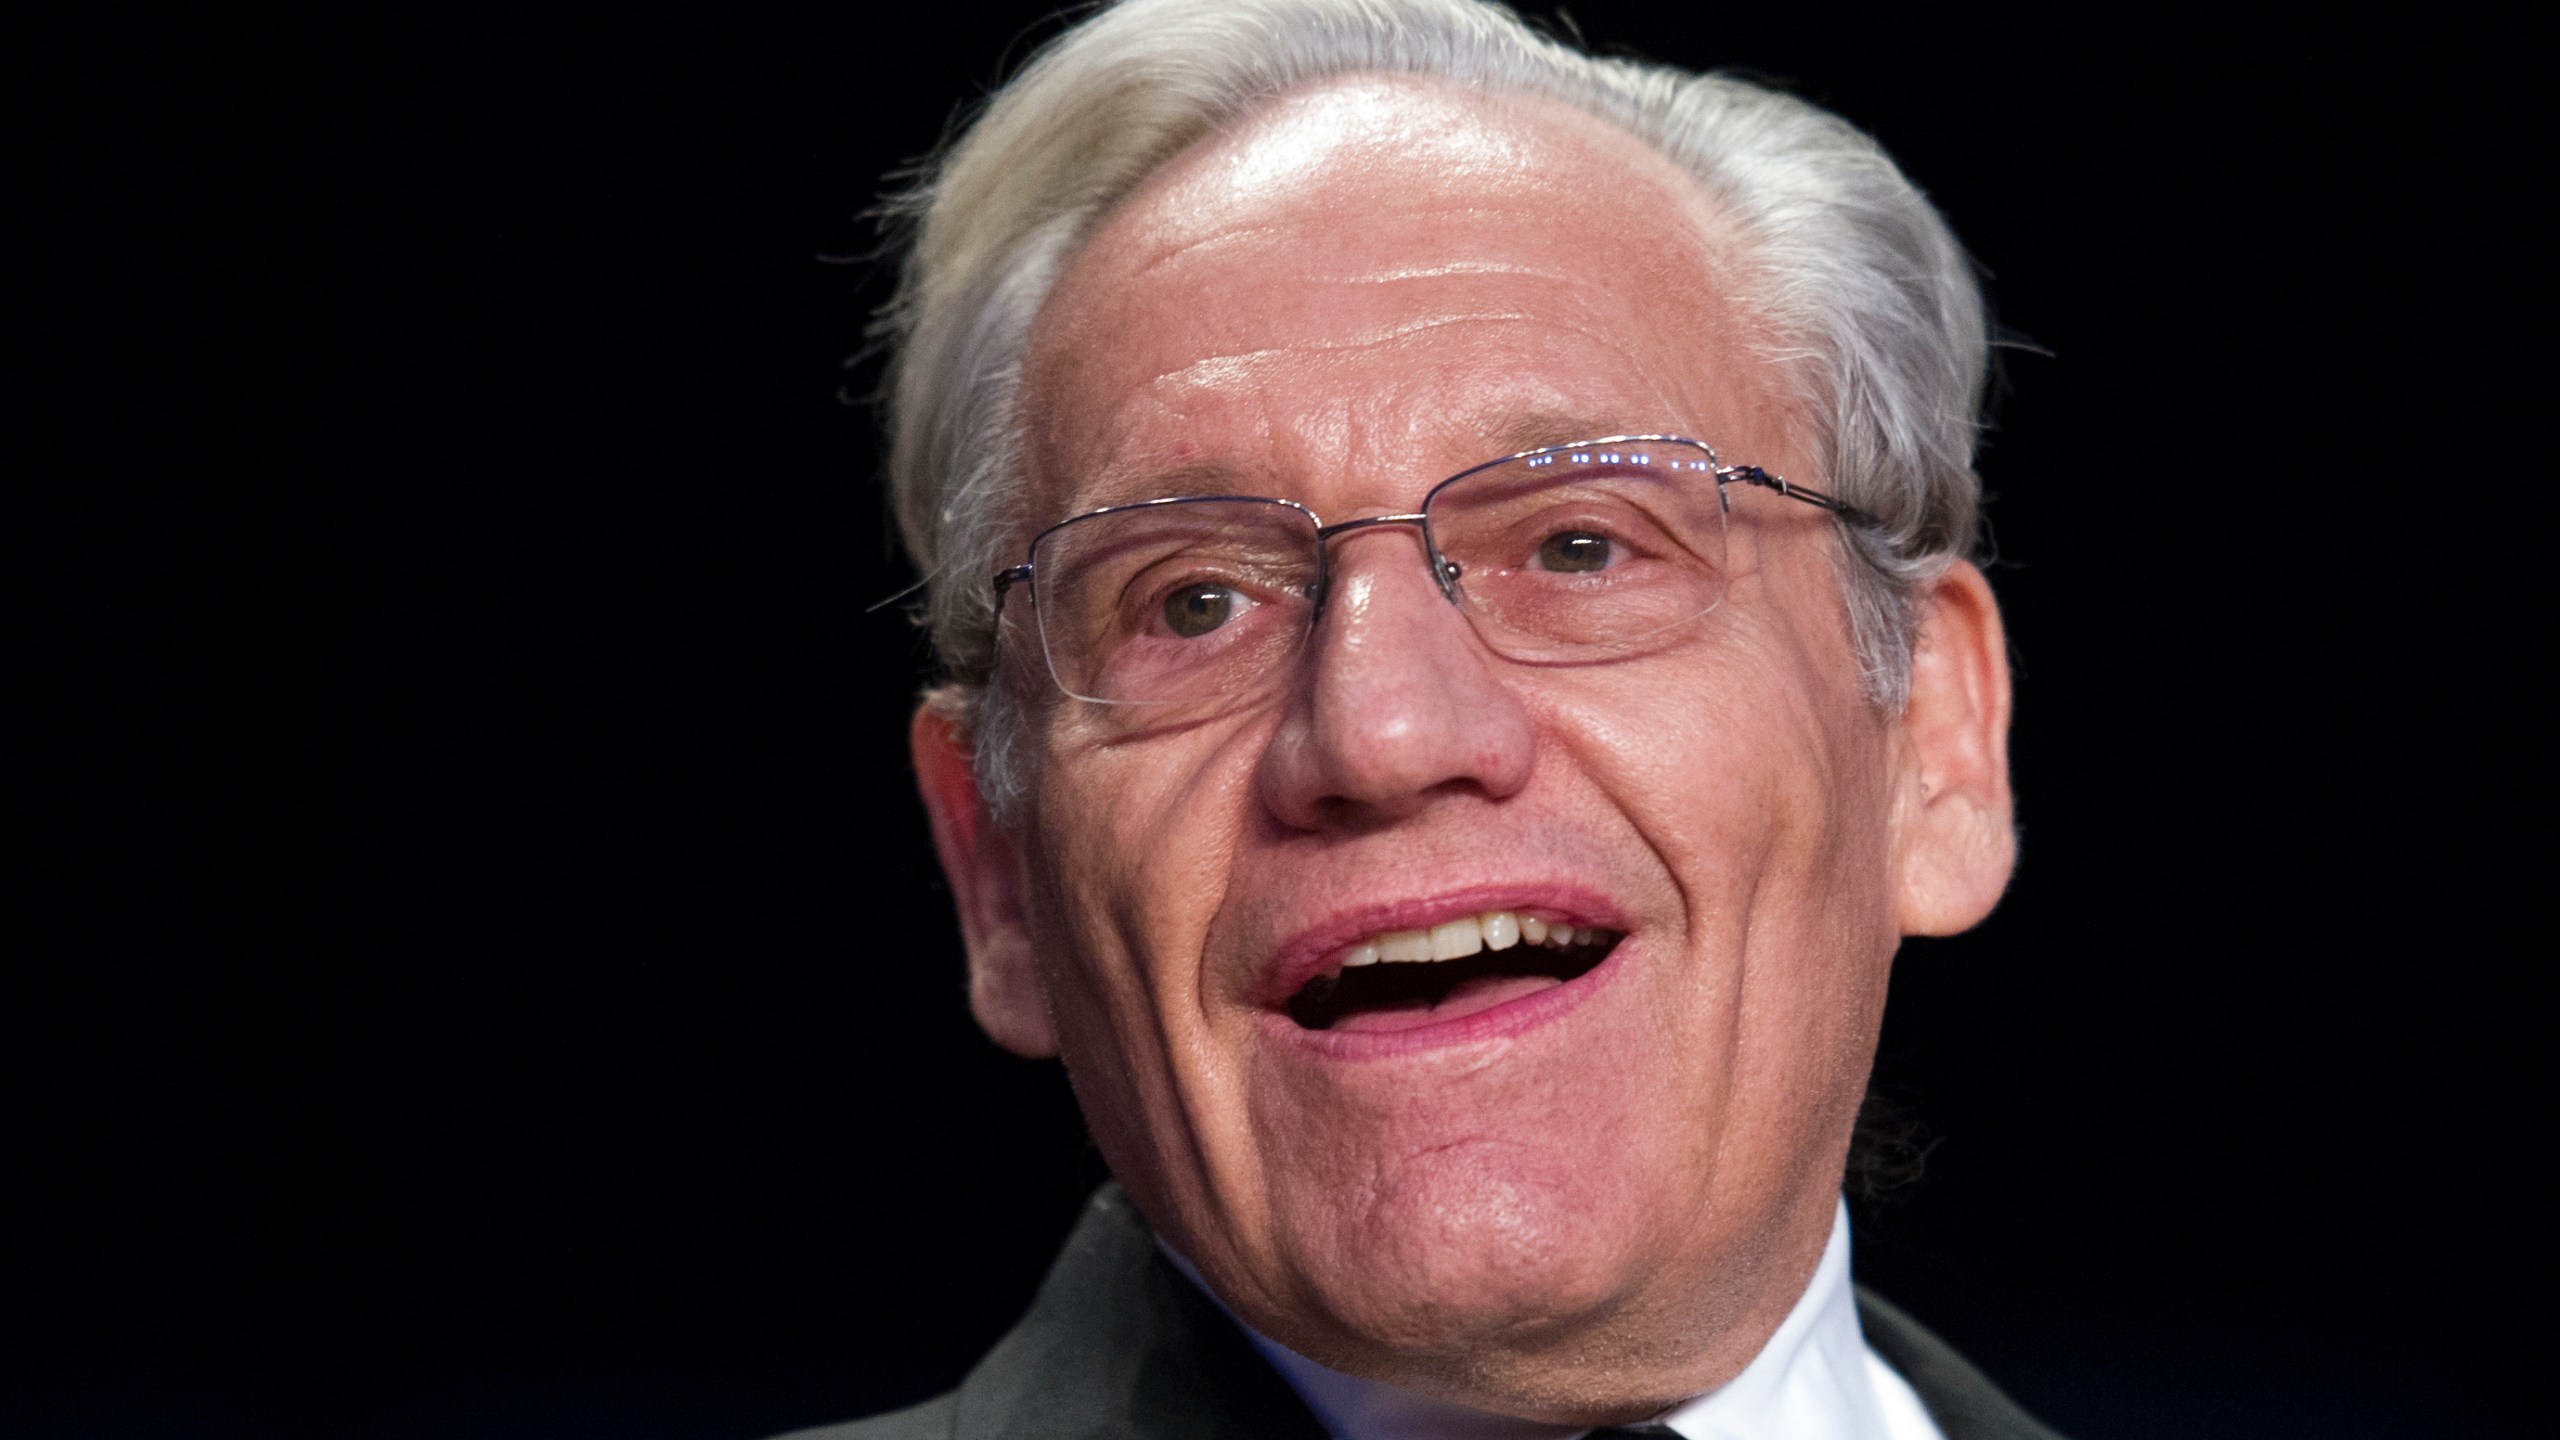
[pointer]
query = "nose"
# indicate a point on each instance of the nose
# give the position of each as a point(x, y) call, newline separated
point(1397, 704)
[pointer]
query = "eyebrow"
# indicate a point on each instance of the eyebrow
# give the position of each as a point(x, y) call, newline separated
point(1538, 429)
point(1131, 486)
point(1505, 432)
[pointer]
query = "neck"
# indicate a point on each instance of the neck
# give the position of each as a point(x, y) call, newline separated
point(1630, 1368)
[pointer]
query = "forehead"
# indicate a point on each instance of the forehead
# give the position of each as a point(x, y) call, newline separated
point(1384, 274)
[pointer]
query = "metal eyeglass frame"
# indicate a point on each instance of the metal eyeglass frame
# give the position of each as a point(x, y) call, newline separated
point(1443, 569)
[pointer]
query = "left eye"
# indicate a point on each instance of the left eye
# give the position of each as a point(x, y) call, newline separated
point(1195, 610)
point(1575, 552)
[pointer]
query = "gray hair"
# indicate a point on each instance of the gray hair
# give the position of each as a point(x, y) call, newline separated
point(1879, 321)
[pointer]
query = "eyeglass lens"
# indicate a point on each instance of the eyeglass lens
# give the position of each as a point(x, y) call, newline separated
point(1573, 554)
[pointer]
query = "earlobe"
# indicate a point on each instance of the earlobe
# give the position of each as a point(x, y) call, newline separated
point(979, 860)
point(1955, 843)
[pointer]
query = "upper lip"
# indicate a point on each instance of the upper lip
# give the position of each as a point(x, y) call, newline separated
point(1302, 954)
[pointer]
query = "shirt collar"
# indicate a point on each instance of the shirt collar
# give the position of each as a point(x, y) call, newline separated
point(1811, 1381)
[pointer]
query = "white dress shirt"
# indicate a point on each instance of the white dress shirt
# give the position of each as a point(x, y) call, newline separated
point(1815, 1380)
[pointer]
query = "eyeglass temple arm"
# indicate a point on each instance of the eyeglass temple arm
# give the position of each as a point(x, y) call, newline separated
point(1011, 576)
point(1754, 475)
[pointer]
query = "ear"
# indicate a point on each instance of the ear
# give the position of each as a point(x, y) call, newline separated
point(979, 860)
point(1955, 841)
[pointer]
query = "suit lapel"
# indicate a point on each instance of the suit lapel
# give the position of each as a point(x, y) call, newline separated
point(1964, 1402)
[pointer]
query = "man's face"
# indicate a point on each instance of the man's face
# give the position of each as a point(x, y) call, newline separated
point(1535, 1182)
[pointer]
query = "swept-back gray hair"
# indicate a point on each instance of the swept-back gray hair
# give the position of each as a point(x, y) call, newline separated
point(1878, 321)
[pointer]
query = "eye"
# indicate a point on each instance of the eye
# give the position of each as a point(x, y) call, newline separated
point(1575, 552)
point(1195, 610)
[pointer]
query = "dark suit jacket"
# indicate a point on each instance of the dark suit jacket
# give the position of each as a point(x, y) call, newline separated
point(1119, 1346)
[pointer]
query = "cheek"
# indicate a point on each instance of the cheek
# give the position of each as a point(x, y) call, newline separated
point(1753, 769)
point(1131, 866)
point(1818, 915)
point(1754, 777)
point(1682, 745)
point(1129, 873)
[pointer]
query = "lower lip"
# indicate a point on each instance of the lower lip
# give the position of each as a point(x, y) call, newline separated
point(1503, 1020)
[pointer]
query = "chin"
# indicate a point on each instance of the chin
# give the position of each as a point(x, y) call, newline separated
point(1447, 1275)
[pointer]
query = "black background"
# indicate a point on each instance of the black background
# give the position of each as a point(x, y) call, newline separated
point(489, 976)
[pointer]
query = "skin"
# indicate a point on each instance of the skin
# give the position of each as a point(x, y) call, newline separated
point(1592, 1208)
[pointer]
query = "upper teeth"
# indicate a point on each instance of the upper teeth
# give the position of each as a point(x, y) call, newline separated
point(1456, 939)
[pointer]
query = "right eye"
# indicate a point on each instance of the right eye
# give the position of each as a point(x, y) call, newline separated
point(1195, 610)
point(1575, 552)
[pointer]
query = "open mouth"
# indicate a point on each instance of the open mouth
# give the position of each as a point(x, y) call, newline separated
point(1402, 979)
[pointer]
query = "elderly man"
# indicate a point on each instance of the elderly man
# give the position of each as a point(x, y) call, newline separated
point(1448, 555)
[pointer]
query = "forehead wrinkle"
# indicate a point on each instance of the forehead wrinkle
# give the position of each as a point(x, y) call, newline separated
point(1284, 234)
point(1235, 367)
point(1138, 467)
point(1210, 370)
point(1536, 408)
point(1390, 274)
point(1169, 233)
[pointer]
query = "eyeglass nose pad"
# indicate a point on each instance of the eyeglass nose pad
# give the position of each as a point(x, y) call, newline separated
point(1446, 571)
